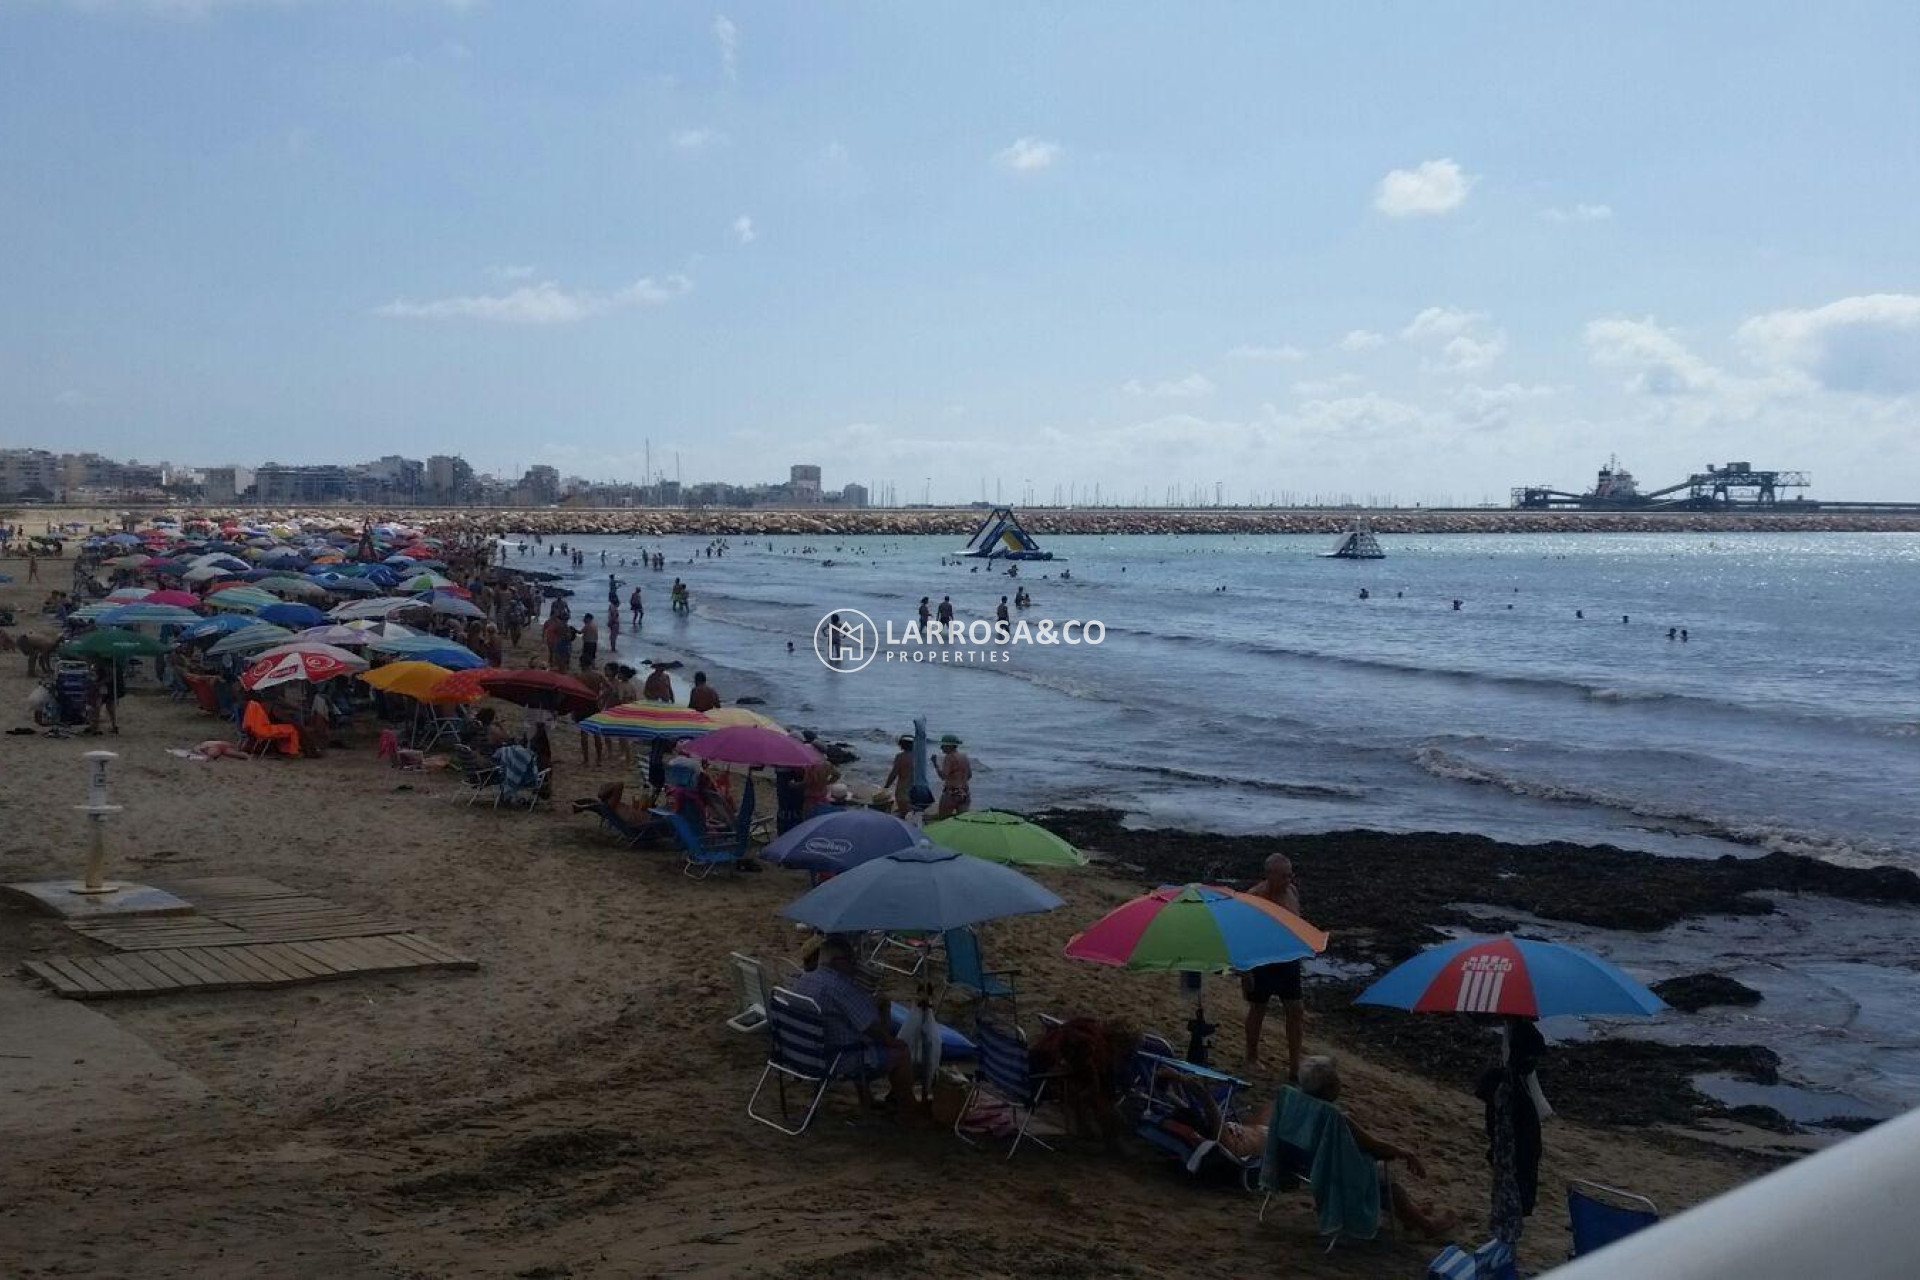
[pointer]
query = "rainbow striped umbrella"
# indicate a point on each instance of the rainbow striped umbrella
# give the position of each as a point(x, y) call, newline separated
point(648, 720)
point(1197, 928)
point(1508, 975)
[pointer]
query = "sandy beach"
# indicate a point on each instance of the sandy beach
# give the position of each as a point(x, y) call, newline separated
point(576, 1105)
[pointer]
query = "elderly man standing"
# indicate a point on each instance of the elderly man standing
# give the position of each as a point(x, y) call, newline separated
point(1262, 984)
point(857, 1024)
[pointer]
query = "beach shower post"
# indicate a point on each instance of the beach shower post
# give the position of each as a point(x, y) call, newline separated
point(97, 808)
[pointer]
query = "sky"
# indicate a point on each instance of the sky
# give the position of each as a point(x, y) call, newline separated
point(1263, 251)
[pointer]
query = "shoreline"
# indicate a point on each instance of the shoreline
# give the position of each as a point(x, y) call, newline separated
point(661, 522)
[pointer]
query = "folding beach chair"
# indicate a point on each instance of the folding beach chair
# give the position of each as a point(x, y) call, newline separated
point(625, 832)
point(750, 986)
point(520, 778)
point(797, 1050)
point(1296, 1163)
point(967, 972)
point(903, 953)
point(701, 858)
point(1162, 1106)
point(1004, 1070)
point(477, 775)
point(1599, 1214)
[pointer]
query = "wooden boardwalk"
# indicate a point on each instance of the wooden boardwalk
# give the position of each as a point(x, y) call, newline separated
point(246, 932)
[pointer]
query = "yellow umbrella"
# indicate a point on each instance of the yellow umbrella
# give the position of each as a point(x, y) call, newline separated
point(742, 716)
point(413, 679)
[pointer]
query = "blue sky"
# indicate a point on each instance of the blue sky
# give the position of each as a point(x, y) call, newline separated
point(1427, 251)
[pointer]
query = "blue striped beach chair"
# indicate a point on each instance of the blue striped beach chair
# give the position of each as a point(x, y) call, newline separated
point(798, 1052)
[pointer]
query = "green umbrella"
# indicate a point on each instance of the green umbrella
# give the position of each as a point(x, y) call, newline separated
point(261, 635)
point(1003, 837)
point(112, 642)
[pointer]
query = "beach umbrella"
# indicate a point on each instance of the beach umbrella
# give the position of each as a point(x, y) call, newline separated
point(414, 646)
point(344, 585)
point(923, 887)
point(161, 564)
point(259, 635)
point(314, 662)
point(126, 562)
point(288, 587)
point(127, 595)
point(1508, 975)
point(293, 615)
point(648, 720)
point(1004, 837)
point(209, 573)
point(751, 745)
point(840, 841)
point(731, 716)
point(378, 607)
point(546, 690)
point(1196, 928)
point(119, 539)
point(140, 613)
point(412, 679)
point(335, 633)
point(111, 642)
point(244, 599)
point(95, 611)
point(219, 625)
point(374, 627)
point(452, 606)
point(426, 581)
point(179, 599)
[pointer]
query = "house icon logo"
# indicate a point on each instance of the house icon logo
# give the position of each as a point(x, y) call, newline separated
point(846, 640)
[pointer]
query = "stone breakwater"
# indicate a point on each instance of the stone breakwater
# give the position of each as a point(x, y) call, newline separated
point(654, 522)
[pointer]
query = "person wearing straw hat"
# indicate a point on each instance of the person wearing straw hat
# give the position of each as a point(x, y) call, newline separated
point(956, 777)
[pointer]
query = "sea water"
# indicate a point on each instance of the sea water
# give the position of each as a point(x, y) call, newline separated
point(1244, 685)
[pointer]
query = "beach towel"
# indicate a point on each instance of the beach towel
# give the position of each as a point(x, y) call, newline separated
point(1346, 1182)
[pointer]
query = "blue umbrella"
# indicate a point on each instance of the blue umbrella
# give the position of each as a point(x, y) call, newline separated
point(840, 841)
point(222, 624)
point(423, 646)
point(291, 614)
point(921, 888)
point(1508, 975)
point(342, 585)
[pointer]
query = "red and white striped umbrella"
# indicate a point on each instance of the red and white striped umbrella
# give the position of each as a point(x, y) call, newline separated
point(289, 662)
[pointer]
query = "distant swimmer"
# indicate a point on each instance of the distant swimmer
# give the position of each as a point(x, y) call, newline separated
point(1579, 613)
point(1001, 612)
point(1364, 595)
point(1673, 633)
point(1683, 635)
point(1456, 606)
point(1624, 619)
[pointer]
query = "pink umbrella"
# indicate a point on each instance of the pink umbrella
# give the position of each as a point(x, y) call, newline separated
point(292, 662)
point(751, 745)
point(180, 599)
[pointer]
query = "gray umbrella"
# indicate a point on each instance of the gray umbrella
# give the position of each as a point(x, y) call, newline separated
point(922, 888)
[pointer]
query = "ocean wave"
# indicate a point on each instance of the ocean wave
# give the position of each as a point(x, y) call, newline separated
point(1775, 838)
point(1275, 786)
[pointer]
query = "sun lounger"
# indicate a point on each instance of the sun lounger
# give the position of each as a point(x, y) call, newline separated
point(701, 858)
point(624, 831)
point(1161, 1109)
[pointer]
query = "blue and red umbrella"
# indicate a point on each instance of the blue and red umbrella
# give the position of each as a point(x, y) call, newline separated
point(1515, 976)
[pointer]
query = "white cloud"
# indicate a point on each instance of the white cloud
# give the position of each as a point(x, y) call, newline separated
point(1322, 388)
point(1433, 187)
point(695, 139)
point(1192, 387)
point(726, 37)
point(1362, 340)
point(1660, 363)
point(1283, 354)
point(1461, 341)
point(545, 303)
point(512, 272)
point(1868, 344)
point(1579, 213)
point(1028, 155)
point(743, 230)
point(1487, 408)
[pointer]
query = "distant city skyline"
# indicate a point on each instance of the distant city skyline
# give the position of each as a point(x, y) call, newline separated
point(1215, 250)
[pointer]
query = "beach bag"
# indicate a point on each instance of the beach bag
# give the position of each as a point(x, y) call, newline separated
point(1491, 1261)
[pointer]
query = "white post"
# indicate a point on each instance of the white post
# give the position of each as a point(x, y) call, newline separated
point(96, 808)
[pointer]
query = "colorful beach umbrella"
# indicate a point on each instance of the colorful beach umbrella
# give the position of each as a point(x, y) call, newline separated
point(1197, 928)
point(127, 595)
point(1004, 837)
point(378, 607)
point(249, 639)
point(840, 841)
point(731, 716)
point(179, 599)
point(1508, 975)
point(546, 690)
point(243, 599)
point(313, 662)
point(412, 679)
point(923, 887)
point(750, 745)
point(648, 720)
